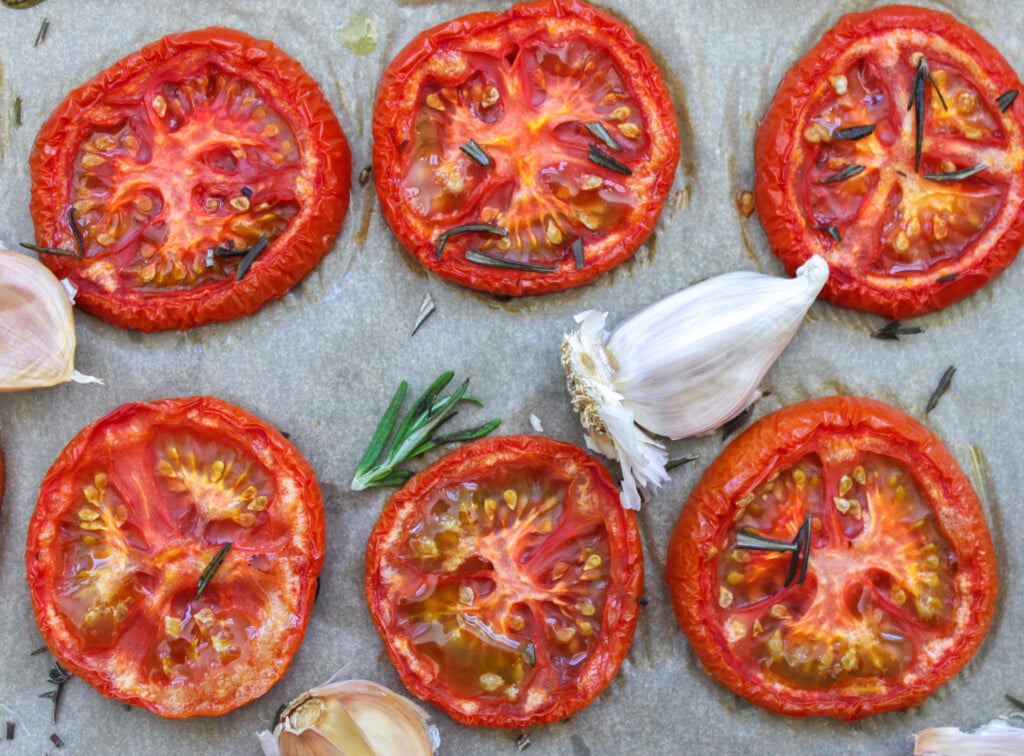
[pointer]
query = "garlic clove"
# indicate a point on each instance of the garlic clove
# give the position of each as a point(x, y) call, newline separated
point(695, 359)
point(681, 367)
point(992, 739)
point(37, 330)
point(351, 718)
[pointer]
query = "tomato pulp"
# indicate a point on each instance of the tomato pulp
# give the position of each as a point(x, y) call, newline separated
point(895, 149)
point(524, 152)
point(130, 518)
point(504, 579)
point(190, 182)
point(890, 597)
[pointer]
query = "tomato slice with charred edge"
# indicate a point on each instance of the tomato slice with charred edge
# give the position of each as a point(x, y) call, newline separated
point(172, 164)
point(129, 519)
point(908, 225)
point(504, 580)
point(550, 123)
point(900, 583)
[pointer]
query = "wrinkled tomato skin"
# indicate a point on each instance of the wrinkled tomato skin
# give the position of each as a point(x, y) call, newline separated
point(773, 443)
point(295, 524)
point(778, 149)
point(394, 119)
point(322, 193)
point(473, 464)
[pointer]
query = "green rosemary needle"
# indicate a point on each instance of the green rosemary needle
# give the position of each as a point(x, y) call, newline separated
point(211, 569)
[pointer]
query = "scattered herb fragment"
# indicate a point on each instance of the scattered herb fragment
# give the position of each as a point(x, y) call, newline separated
point(853, 169)
point(426, 310)
point(365, 174)
point(598, 130)
point(1006, 99)
point(468, 228)
point(956, 175)
point(56, 740)
point(1015, 701)
point(41, 36)
point(415, 435)
point(246, 192)
point(482, 258)
point(211, 569)
point(892, 331)
point(605, 160)
point(680, 461)
point(58, 677)
point(831, 231)
point(944, 383)
point(476, 152)
point(530, 654)
point(40, 650)
point(10, 731)
point(523, 741)
point(577, 253)
point(17, 111)
point(735, 423)
point(853, 133)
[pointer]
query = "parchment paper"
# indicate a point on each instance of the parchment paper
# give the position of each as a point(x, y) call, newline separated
point(322, 363)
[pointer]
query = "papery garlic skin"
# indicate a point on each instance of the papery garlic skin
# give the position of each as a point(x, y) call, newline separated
point(996, 738)
point(681, 367)
point(37, 329)
point(351, 718)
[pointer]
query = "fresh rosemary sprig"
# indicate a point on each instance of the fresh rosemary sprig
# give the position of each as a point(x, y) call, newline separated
point(211, 569)
point(415, 435)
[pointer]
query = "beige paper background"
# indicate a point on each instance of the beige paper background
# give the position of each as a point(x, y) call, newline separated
point(322, 363)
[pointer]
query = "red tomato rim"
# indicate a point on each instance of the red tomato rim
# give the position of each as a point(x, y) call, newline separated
point(60, 480)
point(778, 136)
point(307, 238)
point(620, 617)
point(389, 122)
point(769, 444)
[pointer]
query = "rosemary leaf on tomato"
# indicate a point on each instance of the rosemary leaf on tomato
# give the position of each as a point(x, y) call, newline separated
point(598, 130)
point(468, 228)
point(853, 133)
point(482, 258)
point(250, 256)
point(476, 152)
point(577, 253)
point(605, 160)
point(1006, 99)
point(949, 176)
point(831, 231)
point(853, 169)
point(79, 241)
point(416, 433)
point(211, 569)
point(47, 250)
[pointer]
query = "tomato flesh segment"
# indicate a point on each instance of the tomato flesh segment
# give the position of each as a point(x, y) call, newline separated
point(203, 162)
point(879, 582)
point(919, 223)
point(509, 577)
point(539, 182)
point(119, 587)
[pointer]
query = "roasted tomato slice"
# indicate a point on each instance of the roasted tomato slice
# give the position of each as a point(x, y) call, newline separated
point(129, 519)
point(549, 125)
point(177, 161)
point(504, 580)
point(895, 149)
point(893, 594)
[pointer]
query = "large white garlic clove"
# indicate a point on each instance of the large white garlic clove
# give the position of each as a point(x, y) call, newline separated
point(681, 367)
point(351, 718)
point(996, 738)
point(37, 330)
